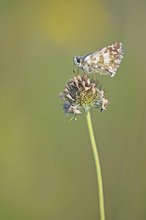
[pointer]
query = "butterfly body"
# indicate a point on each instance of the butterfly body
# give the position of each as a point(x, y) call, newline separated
point(105, 61)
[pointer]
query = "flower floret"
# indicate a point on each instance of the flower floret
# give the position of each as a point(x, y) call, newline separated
point(80, 94)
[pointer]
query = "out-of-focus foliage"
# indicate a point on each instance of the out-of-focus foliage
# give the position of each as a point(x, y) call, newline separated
point(46, 165)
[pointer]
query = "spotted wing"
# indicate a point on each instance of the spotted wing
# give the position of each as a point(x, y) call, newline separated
point(105, 61)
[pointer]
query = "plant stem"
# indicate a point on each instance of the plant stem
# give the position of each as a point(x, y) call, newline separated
point(97, 165)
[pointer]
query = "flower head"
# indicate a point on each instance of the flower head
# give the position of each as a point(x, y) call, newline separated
point(81, 94)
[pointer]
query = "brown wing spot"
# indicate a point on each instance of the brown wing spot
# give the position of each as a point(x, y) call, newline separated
point(109, 49)
point(117, 45)
point(101, 59)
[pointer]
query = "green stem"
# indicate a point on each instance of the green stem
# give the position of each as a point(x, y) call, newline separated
point(97, 165)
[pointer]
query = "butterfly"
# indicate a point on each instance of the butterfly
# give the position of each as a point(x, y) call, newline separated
point(105, 61)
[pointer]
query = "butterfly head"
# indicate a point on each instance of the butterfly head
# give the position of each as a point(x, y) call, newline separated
point(77, 61)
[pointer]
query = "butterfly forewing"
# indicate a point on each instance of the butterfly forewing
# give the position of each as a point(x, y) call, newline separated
point(105, 61)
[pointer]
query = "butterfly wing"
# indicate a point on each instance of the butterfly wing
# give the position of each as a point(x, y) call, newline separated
point(105, 61)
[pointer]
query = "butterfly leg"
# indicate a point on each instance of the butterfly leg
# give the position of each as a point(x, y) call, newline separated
point(94, 76)
point(76, 72)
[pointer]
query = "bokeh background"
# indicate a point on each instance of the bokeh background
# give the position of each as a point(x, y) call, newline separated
point(46, 164)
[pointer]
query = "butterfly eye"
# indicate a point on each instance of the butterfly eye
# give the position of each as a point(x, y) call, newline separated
point(78, 60)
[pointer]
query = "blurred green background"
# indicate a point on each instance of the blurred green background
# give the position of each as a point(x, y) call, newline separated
point(46, 164)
